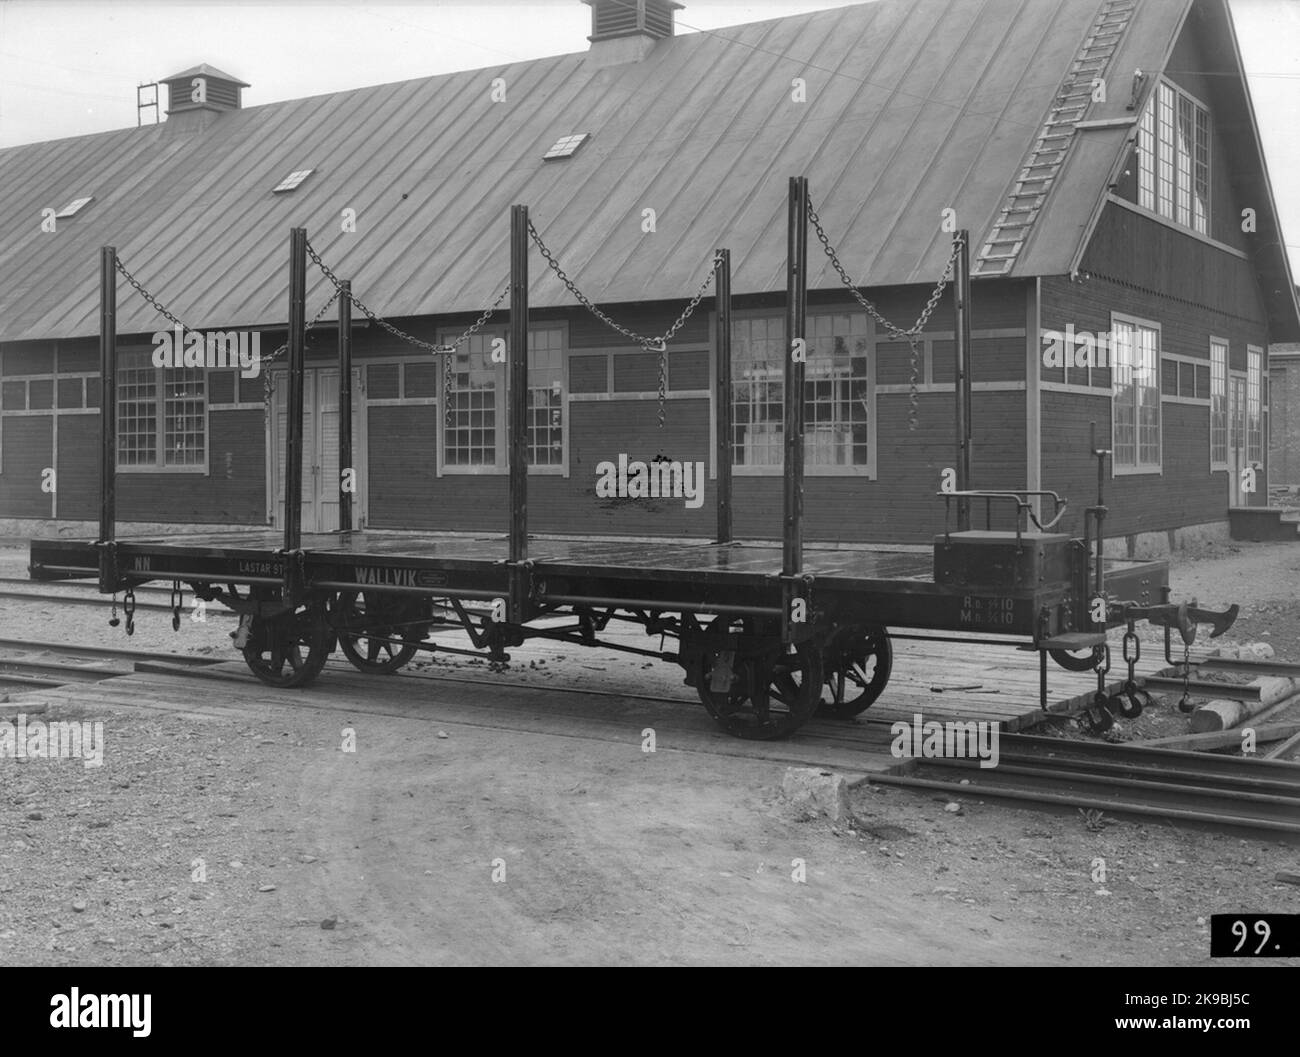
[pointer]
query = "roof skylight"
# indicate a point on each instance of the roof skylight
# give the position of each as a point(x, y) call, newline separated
point(291, 182)
point(566, 146)
point(72, 207)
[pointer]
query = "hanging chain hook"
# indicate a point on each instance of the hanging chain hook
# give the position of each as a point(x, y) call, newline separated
point(128, 610)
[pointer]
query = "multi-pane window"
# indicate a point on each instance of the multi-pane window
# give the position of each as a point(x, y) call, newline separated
point(1254, 405)
point(1201, 171)
point(184, 418)
point(757, 375)
point(837, 394)
point(474, 431)
point(137, 410)
point(1146, 158)
point(161, 414)
point(546, 397)
point(1136, 400)
point(469, 432)
point(1173, 156)
point(1218, 402)
point(1164, 155)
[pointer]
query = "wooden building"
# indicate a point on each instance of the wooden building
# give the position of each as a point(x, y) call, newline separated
point(1103, 154)
point(1284, 419)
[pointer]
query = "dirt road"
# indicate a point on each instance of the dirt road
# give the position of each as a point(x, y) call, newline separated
point(251, 837)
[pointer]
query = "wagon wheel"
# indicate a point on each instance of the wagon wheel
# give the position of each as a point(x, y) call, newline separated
point(366, 613)
point(1078, 662)
point(773, 686)
point(290, 649)
point(857, 664)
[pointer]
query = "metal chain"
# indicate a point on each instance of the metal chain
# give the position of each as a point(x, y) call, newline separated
point(446, 350)
point(428, 346)
point(159, 307)
point(163, 311)
point(1185, 702)
point(266, 375)
point(910, 335)
point(659, 344)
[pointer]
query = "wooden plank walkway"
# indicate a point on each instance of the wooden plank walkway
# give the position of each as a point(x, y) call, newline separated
point(1007, 681)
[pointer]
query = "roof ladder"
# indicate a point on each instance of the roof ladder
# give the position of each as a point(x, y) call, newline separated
point(142, 104)
point(1025, 200)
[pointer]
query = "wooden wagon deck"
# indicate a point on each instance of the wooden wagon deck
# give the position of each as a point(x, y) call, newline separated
point(897, 585)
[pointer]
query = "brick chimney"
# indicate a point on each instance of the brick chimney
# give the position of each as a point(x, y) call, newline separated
point(627, 30)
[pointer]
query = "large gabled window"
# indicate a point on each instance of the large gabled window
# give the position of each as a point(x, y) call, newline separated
point(162, 415)
point(1135, 414)
point(1173, 158)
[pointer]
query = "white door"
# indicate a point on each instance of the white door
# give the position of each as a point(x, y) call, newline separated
point(1236, 439)
point(320, 449)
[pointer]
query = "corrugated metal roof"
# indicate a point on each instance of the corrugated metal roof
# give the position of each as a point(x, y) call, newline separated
point(913, 106)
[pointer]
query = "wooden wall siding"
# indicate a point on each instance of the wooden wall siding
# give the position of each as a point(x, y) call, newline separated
point(901, 505)
point(1185, 329)
point(405, 491)
point(588, 374)
point(79, 467)
point(996, 304)
point(40, 394)
point(1186, 493)
point(1161, 260)
point(27, 357)
point(587, 332)
point(403, 479)
point(382, 383)
point(26, 452)
point(221, 387)
point(79, 356)
point(69, 392)
point(1284, 431)
point(234, 491)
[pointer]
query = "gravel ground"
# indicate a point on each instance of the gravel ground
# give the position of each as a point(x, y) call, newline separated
point(249, 838)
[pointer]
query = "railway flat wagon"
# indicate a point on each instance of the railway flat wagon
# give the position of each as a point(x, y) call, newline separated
point(768, 634)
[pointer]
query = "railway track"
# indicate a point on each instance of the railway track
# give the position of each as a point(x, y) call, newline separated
point(1121, 779)
point(41, 665)
point(87, 594)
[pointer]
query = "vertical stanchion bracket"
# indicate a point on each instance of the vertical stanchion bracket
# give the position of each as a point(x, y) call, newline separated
point(521, 601)
point(295, 574)
point(797, 618)
point(109, 573)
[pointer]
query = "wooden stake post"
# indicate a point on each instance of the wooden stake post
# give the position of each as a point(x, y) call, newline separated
point(722, 396)
point(517, 422)
point(961, 306)
point(292, 550)
point(796, 352)
point(107, 420)
point(345, 406)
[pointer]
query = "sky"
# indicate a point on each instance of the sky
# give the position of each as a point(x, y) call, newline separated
point(69, 67)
